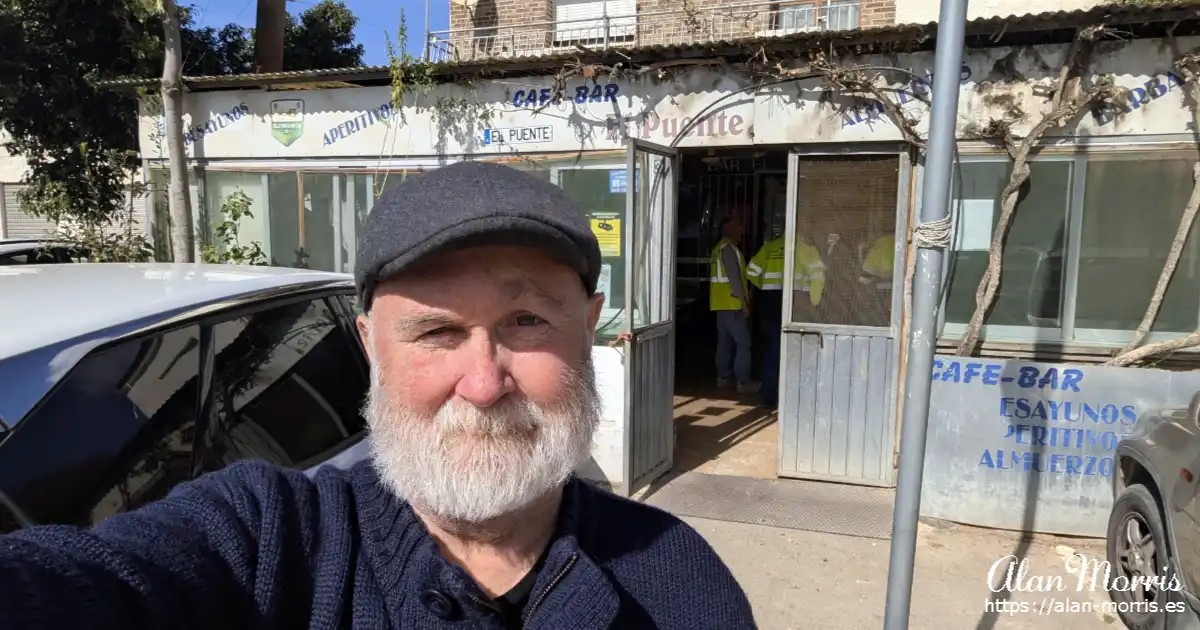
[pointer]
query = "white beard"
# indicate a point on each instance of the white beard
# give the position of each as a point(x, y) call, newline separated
point(470, 465)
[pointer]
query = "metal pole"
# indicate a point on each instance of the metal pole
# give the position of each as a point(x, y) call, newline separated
point(935, 203)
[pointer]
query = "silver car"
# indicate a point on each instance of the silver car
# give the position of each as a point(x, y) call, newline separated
point(119, 381)
point(1154, 527)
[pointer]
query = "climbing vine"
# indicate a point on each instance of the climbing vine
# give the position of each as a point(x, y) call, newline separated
point(414, 79)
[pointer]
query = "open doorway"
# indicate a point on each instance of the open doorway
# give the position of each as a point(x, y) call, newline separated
point(718, 430)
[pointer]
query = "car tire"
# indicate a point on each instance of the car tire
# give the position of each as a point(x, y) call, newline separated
point(1137, 505)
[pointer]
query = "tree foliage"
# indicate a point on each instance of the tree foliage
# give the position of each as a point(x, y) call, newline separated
point(80, 140)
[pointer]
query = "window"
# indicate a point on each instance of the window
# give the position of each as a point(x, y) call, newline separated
point(593, 22)
point(1099, 222)
point(795, 17)
point(301, 218)
point(219, 186)
point(1131, 210)
point(115, 434)
point(1031, 283)
point(288, 385)
point(598, 189)
point(845, 211)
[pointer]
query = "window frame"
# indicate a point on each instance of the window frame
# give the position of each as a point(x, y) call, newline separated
point(1067, 334)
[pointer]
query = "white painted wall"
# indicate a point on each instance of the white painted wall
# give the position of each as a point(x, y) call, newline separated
point(925, 11)
point(606, 464)
point(12, 168)
point(340, 124)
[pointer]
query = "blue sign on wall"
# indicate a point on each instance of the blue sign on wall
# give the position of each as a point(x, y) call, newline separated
point(618, 181)
point(1032, 446)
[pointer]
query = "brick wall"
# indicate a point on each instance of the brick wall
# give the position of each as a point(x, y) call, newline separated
point(523, 27)
point(500, 27)
point(876, 13)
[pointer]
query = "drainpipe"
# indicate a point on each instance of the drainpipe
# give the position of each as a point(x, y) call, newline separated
point(935, 204)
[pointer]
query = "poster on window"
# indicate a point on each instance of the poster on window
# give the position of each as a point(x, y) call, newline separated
point(608, 233)
point(973, 225)
point(604, 284)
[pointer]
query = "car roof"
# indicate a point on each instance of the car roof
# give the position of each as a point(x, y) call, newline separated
point(48, 304)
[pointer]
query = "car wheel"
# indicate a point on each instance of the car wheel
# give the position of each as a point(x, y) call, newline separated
point(1137, 549)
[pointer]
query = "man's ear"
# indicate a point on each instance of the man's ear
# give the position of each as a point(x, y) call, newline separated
point(364, 333)
point(595, 307)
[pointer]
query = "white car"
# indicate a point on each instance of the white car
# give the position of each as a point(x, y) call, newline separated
point(119, 381)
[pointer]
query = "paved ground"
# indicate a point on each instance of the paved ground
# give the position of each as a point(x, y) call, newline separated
point(818, 581)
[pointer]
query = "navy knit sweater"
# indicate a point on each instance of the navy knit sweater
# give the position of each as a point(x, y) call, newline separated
point(255, 546)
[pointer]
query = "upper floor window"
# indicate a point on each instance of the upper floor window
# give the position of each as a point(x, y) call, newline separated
point(594, 22)
point(812, 15)
point(1086, 246)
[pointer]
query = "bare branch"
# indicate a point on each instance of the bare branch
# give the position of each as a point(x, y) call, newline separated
point(855, 80)
point(1155, 349)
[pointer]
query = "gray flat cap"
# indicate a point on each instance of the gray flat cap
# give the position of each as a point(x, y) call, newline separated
point(471, 204)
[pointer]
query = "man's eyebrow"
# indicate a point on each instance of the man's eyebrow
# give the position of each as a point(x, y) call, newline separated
point(407, 326)
point(517, 287)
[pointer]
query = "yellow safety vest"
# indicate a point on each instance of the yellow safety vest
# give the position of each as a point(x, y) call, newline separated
point(878, 265)
point(766, 267)
point(810, 272)
point(720, 291)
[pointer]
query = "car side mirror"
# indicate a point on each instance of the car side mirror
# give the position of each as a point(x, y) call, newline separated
point(1194, 410)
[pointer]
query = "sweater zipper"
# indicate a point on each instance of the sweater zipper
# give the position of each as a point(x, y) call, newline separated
point(546, 591)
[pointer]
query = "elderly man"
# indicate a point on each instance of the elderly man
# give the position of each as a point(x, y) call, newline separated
point(479, 289)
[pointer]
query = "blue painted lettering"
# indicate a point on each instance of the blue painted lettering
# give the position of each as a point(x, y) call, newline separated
point(973, 370)
point(1061, 463)
point(1027, 376)
point(349, 127)
point(541, 97)
point(991, 374)
point(216, 123)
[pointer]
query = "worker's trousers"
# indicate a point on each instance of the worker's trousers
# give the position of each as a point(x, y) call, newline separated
point(770, 305)
point(733, 345)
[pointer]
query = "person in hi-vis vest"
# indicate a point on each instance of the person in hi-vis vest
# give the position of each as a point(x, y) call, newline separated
point(875, 281)
point(765, 272)
point(729, 298)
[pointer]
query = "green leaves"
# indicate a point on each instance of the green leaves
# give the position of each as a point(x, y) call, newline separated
point(234, 208)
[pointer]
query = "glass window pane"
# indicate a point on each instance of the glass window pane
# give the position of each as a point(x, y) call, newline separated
point(1031, 280)
point(288, 386)
point(845, 218)
point(301, 218)
point(652, 271)
point(601, 196)
point(1132, 206)
point(116, 434)
point(218, 186)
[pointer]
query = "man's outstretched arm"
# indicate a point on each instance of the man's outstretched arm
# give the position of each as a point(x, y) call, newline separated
point(196, 559)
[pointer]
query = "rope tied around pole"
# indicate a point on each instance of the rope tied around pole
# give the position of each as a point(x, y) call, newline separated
point(933, 234)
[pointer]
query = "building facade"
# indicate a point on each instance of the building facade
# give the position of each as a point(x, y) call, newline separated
point(482, 29)
point(14, 222)
point(1022, 433)
point(520, 28)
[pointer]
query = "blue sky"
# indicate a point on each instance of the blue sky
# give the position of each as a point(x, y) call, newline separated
point(374, 18)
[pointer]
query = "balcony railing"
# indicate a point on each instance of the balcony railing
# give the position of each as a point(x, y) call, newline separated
point(646, 28)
